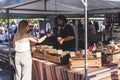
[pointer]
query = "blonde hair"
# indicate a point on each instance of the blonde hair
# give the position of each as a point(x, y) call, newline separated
point(21, 29)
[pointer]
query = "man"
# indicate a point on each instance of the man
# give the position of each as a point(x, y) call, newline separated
point(13, 29)
point(66, 33)
point(2, 36)
point(48, 27)
point(36, 30)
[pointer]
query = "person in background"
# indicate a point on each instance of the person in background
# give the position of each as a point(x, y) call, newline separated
point(2, 36)
point(80, 28)
point(7, 35)
point(13, 29)
point(48, 27)
point(23, 59)
point(96, 26)
point(91, 28)
point(66, 33)
point(81, 32)
point(36, 29)
point(110, 30)
point(102, 27)
point(83, 23)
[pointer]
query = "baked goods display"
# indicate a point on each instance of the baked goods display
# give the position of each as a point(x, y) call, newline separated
point(106, 53)
point(109, 48)
point(90, 56)
point(48, 53)
point(52, 51)
point(41, 48)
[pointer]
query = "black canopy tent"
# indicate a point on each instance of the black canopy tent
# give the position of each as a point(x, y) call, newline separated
point(36, 8)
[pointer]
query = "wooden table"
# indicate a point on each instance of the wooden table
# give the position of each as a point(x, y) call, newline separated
point(45, 70)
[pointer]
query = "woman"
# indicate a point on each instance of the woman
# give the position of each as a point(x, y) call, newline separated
point(23, 60)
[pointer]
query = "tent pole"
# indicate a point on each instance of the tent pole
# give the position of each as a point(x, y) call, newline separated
point(45, 15)
point(9, 54)
point(86, 63)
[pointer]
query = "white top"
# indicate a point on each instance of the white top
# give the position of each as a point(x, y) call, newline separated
point(48, 26)
point(22, 46)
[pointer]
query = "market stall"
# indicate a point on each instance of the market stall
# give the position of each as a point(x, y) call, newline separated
point(58, 7)
point(103, 63)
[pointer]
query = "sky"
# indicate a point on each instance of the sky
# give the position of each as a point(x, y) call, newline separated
point(9, 2)
point(115, 0)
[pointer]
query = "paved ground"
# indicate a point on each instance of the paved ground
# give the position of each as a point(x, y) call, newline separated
point(6, 71)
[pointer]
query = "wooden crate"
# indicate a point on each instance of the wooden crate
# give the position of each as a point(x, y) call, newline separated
point(57, 59)
point(38, 55)
point(108, 58)
point(80, 62)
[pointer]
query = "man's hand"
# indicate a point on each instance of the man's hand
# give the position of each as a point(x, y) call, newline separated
point(61, 40)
